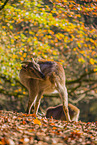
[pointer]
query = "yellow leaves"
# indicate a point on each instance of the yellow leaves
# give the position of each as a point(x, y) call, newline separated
point(1, 3)
point(81, 60)
point(24, 92)
point(24, 55)
point(92, 40)
point(23, 40)
point(36, 121)
point(86, 9)
point(80, 35)
point(42, 97)
point(92, 61)
point(78, 15)
point(35, 38)
point(60, 36)
point(85, 45)
point(95, 69)
point(12, 41)
point(49, 36)
point(51, 32)
point(79, 45)
point(19, 90)
point(23, 48)
point(29, 40)
point(11, 27)
point(3, 33)
point(30, 32)
point(21, 58)
point(82, 51)
point(16, 37)
point(65, 39)
point(65, 1)
point(3, 27)
point(43, 39)
point(60, 12)
point(54, 52)
point(14, 56)
point(75, 49)
point(20, 53)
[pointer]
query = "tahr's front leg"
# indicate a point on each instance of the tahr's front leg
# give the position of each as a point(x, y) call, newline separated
point(33, 93)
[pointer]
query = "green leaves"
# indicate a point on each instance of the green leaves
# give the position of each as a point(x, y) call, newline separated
point(55, 30)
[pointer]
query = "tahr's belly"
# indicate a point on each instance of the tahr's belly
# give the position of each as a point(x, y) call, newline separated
point(49, 91)
point(47, 86)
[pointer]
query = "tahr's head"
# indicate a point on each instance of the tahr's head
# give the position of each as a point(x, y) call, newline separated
point(34, 68)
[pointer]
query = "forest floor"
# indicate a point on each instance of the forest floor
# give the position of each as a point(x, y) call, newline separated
point(18, 128)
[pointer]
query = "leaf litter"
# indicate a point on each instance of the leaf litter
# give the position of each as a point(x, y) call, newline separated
point(19, 128)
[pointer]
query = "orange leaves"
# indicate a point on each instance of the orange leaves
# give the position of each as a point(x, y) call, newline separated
point(36, 121)
point(75, 134)
point(20, 53)
point(32, 115)
point(24, 122)
point(51, 32)
point(52, 124)
point(18, 128)
point(95, 70)
point(14, 56)
point(24, 55)
point(54, 128)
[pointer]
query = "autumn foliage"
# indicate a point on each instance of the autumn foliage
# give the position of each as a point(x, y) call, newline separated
point(61, 30)
point(19, 128)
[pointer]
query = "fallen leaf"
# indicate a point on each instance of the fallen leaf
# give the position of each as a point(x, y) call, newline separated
point(36, 121)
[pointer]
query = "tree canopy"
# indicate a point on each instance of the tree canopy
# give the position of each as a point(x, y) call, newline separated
point(61, 30)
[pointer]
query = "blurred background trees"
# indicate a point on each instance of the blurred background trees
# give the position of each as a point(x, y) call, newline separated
point(60, 30)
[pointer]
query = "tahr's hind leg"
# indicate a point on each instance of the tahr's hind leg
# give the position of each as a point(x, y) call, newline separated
point(37, 102)
point(64, 96)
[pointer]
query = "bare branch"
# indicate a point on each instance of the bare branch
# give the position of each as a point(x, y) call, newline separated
point(77, 100)
point(3, 5)
point(80, 79)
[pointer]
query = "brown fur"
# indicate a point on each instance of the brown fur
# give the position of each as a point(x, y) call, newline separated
point(31, 76)
point(58, 113)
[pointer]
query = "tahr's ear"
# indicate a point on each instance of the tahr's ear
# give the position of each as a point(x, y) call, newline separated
point(36, 65)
